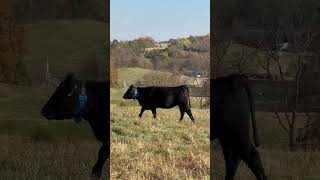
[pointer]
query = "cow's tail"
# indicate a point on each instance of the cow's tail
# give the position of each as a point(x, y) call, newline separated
point(252, 111)
point(188, 96)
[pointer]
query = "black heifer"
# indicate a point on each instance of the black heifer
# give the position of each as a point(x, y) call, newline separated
point(89, 100)
point(232, 106)
point(152, 97)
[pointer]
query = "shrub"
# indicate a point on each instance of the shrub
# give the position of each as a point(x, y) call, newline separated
point(159, 79)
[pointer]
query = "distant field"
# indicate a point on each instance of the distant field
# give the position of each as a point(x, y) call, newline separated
point(70, 46)
point(132, 75)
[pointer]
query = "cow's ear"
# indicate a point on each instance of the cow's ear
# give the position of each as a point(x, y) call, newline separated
point(69, 77)
point(71, 80)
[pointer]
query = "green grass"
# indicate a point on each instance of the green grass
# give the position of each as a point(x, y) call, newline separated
point(20, 115)
point(131, 75)
point(21, 103)
point(69, 45)
point(116, 97)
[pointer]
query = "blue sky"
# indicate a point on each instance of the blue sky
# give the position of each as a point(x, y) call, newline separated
point(160, 19)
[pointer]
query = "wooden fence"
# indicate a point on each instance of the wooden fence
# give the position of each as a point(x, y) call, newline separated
point(279, 96)
point(271, 96)
point(198, 91)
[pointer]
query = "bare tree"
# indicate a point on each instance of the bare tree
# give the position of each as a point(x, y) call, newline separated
point(203, 91)
point(298, 26)
point(220, 50)
point(244, 59)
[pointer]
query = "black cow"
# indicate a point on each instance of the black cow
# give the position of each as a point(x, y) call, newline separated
point(153, 97)
point(232, 106)
point(78, 99)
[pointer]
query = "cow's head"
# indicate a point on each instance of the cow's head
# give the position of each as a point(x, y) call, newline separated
point(64, 103)
point(132, 93)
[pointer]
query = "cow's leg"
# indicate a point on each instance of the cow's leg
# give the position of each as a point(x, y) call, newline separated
point(181, 113)
point(102, 157)
point(252, 159)
point(188, 111)
point(154, 112)
point(232, 160)
point(141, 112)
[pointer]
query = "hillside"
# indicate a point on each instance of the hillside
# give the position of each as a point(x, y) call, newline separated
point(70, 45)
point(132, 75)
point(188, 56)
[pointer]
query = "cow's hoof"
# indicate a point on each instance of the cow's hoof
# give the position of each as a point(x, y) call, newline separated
point(140, 116)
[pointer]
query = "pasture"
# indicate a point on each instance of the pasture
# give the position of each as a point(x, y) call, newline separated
point(159, 149)
point(278, 161)
point(165, 148)
point(34, 148)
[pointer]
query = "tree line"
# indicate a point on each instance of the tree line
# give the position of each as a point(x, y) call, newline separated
point(12, 69)
point(180, 55)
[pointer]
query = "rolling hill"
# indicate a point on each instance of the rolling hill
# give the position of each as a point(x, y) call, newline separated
point(69, 45)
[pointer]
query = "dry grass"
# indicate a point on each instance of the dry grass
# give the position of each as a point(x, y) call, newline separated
point(159, 149)
point(279, 163)
point(22, 159)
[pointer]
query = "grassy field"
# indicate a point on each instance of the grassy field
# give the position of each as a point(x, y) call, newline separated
point(131, 75)
point(156, 149)
point(279, 163)
point(34, 148)
point(22, 159)
point(159, 149)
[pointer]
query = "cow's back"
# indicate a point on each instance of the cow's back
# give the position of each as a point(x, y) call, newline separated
point(162, 97)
